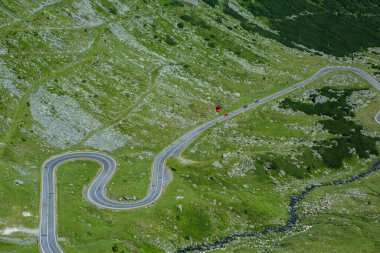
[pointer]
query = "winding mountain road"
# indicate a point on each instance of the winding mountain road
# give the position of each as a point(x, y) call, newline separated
point(96, 193)
point(377, 118)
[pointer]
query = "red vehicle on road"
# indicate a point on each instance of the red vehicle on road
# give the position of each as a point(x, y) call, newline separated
point(219, 106)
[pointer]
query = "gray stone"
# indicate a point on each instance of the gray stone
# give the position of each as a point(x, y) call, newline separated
point(18, 182)
point(217, 164)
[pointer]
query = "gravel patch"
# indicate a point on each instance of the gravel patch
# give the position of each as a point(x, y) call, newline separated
point(108, 140)
point(86, 15)
point(360, 99)
point(7, 80)
point(9, 231)
point(124, 36)
point(194, 2)
point(241, 168)
point(121, 8)
point(61, 120)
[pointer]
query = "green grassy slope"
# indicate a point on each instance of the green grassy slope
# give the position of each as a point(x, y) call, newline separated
point(278, 147)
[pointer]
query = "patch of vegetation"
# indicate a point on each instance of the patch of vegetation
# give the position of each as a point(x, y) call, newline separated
point(337, 108)
point(334, 151)
point(211, 44)
point(278, 9)
point(170, 40)
point(113, 10)
point(211, 3)
point(10, 248)
point(325, 224)
point(180, 25)
point(253, 28)
point(195, 20)
point(174, 3)
point(231, 12)
point(320, 31)
point(317, 24)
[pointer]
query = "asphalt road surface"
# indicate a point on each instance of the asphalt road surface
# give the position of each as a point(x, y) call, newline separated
point(96, 193)
point(377, 118)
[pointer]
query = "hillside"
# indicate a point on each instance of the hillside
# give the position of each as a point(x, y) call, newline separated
point(128, 78)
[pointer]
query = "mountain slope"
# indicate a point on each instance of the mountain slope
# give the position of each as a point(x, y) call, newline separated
point(130, 77)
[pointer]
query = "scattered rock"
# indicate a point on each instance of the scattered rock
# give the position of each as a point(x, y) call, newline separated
point(267, 165)
point(18, 182)
point(108, 140)
point(217, 164)
point(321, 99)
point(129, 198)
point(224, 156)
point(26, 214)
point(360, 99)
point(194, 2)
point(60, 120)
point(241, 168)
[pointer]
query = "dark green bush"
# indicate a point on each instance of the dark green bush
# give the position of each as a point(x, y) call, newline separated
point(334, 151)
point(341, 127)
point(195, 20)
point(211, 44)
point(175, 3)
point(229, 11)
point(113, 10)
point(211, 3)
point(170, 40)
point(180, 25)
point(354, 22)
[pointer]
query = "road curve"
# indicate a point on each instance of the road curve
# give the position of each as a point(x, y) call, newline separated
point(377, 118)
point(96, 193)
